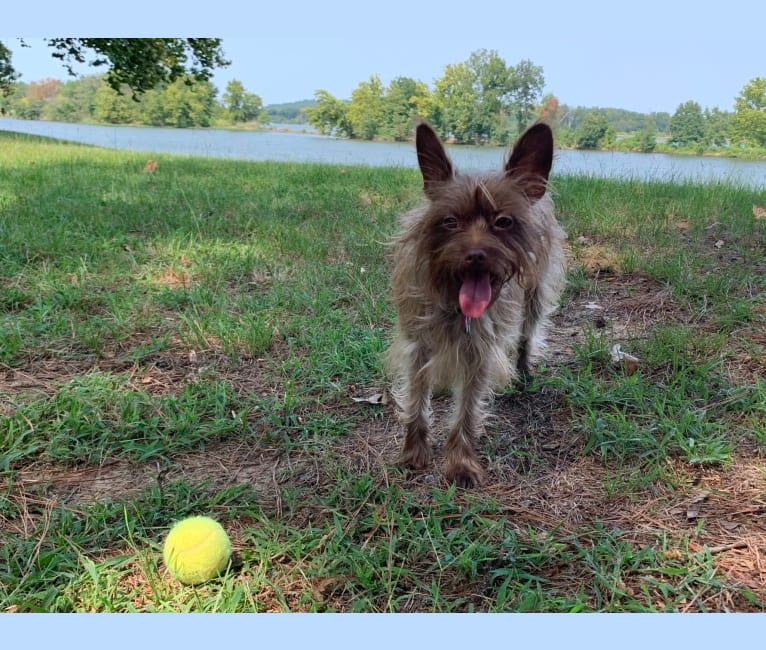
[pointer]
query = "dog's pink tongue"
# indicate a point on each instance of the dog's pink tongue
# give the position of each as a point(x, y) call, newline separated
point(475, 294)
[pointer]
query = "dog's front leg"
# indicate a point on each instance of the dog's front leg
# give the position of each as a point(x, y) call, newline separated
point(416, 417)
point(462, 466)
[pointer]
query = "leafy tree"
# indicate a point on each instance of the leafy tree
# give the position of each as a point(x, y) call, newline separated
point(404, 100)
point(492, 89)
point(687, 126)
point(330, 115)
point(527, 83)
point(749, 121)
point(113, 107)
point(151, 108)
point(647, 137)
point(456, 100)
point(661, 121)
point(10, 101)
point(75, 100)
point(717, 127)
point(188, 105)
point(241, 105)
point(590, 134)
point(478, 99)
point(366, 110)
point(38, 97)
point(30, 101)
point(7, 74)
point(139, 63)
point(549, 110)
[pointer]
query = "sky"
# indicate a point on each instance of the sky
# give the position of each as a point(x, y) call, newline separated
point(645, 56)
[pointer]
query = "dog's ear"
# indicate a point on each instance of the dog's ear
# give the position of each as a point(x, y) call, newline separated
point(531, 159)
point(434, 163)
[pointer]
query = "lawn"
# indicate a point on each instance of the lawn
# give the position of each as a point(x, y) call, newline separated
point(206, 338)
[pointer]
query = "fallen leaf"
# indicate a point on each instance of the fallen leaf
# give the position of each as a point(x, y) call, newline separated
point(720, 243)
point(695, 506)
point(693, 512)
point(759, 212)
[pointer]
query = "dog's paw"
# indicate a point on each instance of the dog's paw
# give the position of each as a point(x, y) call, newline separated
point(417, 457)
point(465, 475)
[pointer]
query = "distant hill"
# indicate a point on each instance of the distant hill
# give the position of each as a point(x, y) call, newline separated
point(290, 113)
point(621, 120)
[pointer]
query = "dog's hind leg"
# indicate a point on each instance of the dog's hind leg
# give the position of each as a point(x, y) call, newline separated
point(528, 342)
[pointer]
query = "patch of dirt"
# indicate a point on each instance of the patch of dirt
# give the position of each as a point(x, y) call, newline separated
point(627, 306)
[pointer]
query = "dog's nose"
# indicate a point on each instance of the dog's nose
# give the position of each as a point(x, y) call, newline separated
point(476, 257)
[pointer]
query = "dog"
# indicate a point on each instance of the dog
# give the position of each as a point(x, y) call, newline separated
point(477, 271)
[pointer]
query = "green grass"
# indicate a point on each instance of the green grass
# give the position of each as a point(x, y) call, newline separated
point(189, 341)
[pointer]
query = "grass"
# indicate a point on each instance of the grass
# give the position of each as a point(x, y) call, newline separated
point(193, 341)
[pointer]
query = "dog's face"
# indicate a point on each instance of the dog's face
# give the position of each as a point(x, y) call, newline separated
point(478, 232)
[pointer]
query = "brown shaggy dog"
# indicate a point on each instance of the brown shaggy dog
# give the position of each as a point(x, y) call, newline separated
point(477, 272)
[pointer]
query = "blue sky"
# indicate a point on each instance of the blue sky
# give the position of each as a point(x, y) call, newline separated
point(644, 56)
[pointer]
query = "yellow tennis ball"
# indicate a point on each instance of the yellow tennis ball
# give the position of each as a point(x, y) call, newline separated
point(196, 550)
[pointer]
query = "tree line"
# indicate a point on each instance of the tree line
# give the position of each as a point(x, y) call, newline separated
point(484, 100)
point(182, 103)
point(480, 100)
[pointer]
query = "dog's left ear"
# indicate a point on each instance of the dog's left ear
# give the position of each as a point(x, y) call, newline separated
point(531, 159)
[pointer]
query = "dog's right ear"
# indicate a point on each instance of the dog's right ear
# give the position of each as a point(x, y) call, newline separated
point(435, 165)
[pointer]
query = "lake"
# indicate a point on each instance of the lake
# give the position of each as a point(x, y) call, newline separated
point(308, 146)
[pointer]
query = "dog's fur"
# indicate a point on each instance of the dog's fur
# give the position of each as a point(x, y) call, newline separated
point(477, 271)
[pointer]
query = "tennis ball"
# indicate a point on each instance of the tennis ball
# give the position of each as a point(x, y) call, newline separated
point(196, 550)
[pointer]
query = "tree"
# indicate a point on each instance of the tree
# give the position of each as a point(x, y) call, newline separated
point(590, 134)
point(549, 110)
point(717, 127)
point(687, 126)
point(113, 107)
point(75, 100)
point(403, 101)
point(493, 88)
point(7, 74)
point(456, 98)
point(11, 101)
point(365, 110)
point(188, 105)
point(241, 105)
point(330, 115)
point(749, 121)
point(484, 100)
point(138, 63)
point(647, 137)
point(527, 83)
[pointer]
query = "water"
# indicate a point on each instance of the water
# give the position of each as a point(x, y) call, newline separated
point(308, 146)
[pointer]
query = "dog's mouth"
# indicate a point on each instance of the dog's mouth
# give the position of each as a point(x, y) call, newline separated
point(475, 294)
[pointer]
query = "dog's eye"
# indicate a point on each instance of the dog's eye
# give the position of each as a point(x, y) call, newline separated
point(503, 222)
point(450, 223)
